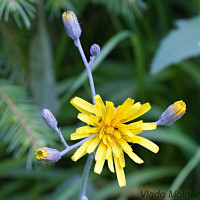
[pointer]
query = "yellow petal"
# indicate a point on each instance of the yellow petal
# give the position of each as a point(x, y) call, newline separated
point(81, 150)
point(101, 152)
point(125, 106)
point(91, 119)
point(86, 129)
point(121, 159)
point(135, 157)
point(75, 136)
point(122, 110)
point(144, 108)
point(117, 134)
point(128, 133)
point(109, 112)
point(110, 163)
point(131, 112)
point(125, 146)
point(99, 107)
point(136, 125)
point(146, 143)
point(93, 144)
point(149, 126)
point(109, 138)
point(82, 105)
point(99, 165)
point(108, 152)
point(120, 173)
point(115, 149)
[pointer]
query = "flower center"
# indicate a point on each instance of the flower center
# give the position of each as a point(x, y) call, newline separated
point(108, 129)
point(40, 154)
point(179, 107)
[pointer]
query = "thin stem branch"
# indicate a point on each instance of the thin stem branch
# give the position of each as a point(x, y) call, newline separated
point(61, 137)
point(78, 44)
point(69, 148)
point(91, 156)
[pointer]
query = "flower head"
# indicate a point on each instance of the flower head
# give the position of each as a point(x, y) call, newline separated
point(112, 133)
point(172, 113)
point(48, 154)
point(71, 25)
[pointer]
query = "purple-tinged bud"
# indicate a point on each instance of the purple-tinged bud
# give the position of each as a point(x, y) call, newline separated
point(71, 25)
point(49, 119)
point(48, 154)
point(95, 50)
point(83, 198)
point(172, 113)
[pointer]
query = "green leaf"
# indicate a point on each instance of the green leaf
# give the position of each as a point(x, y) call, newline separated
point(178, 45)
point(136, 179)
point(108, 47)
point(194, 161)
point(174, 136)
point(41, 69)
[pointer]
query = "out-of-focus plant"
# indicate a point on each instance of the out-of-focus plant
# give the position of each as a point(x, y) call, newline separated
point(131, 45)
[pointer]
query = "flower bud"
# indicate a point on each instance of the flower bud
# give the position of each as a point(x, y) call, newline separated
point(172, 113)
point(95, 50)
point(83, 198)
point(48, 154)
point(49, 119)
point(71, 25)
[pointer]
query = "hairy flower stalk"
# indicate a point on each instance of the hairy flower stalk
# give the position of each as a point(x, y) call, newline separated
point(68, 18)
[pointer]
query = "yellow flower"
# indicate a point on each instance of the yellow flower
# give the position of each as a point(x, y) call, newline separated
point(112, 133)
point(47, 154)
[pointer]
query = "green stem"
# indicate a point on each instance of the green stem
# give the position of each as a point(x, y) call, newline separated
point(92, 87)
point(85, 175)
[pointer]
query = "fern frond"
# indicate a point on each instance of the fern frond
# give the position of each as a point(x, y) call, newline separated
point(13, 54)
point(20, 10)
point(21, 125)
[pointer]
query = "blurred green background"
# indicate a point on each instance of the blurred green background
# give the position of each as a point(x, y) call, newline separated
point(149, 52)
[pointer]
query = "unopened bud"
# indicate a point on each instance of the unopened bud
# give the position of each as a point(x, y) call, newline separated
point(83, 198)
point(48, 154)
point(172, 113)
point(71, 25)
point(95, 50)
point(49, 119)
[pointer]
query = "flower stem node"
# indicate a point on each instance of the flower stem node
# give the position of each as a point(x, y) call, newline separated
point(48, 154)
point(95, 50)
point(172, 113)
point(71, 24)
point(49, 119)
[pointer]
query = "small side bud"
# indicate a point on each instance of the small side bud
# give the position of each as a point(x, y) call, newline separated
point(71, 24)
point(172, 113)
point(95, 50)
point(49, 119)
point(47, 154)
